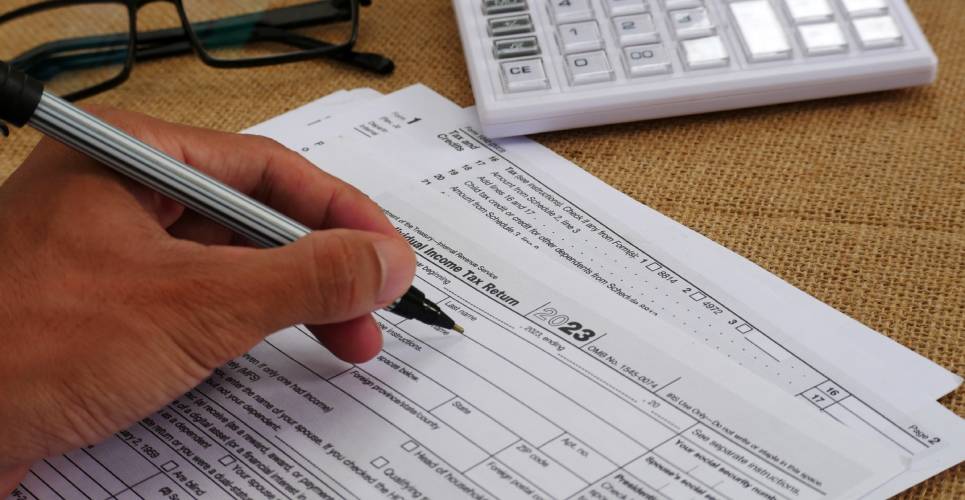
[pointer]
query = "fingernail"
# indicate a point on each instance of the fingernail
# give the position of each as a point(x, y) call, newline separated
point(394, 257)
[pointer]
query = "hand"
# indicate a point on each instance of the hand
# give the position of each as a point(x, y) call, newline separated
point(115, 300)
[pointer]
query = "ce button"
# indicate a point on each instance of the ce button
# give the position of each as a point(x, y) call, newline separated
point(524, 75)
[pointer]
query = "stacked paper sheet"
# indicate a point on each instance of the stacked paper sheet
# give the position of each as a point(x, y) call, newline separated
point(609, 353)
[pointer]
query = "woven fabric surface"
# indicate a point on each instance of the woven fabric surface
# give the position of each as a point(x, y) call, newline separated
point(859, 201)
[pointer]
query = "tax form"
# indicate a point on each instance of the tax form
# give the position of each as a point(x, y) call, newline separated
point(751, 294)
point(553, 207)
point(556, 391)
point(543, 397)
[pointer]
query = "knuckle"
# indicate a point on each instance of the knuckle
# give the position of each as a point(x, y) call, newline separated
point(353, 193)
point(340, 287)
point(347, 191)
point(266, 143)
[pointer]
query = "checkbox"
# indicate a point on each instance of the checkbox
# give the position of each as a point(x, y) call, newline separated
point(226, 460)
point(169, 466)
point(379, 462)
point(653, 266)
point(410, 445)
point(698, 296)
point(744, 328)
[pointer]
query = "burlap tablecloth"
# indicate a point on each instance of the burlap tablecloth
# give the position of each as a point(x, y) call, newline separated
point(860, 201)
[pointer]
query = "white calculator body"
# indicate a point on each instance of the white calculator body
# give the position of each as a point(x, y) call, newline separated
point(539, 65)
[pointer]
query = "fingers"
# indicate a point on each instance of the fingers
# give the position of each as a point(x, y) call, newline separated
point(332, 278)
point(328, 277)
point(355, 341)
point(262, 168)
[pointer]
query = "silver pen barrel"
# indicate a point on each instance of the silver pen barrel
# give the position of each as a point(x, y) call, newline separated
point(155, 169)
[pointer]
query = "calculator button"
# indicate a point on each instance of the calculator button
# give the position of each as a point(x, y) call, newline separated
point(707, 52)
point(570, 11)
point(510, 25)
point(877, 32)
point(502, 6)
point(515, 47)
point(580, 37)
point(523, 75)
point(859, 8)
point(590, 67)
point(633, 30)
point(682, 4)
point(761, 31)
point(623, 7)
point(809, 11)
point(646, 60)
point(691, 23)
point(821, 39)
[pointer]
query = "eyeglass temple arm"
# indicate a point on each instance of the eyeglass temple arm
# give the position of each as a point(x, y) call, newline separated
point(299, 16)
point(376, 63)
point(369, 61)
point(51, 66)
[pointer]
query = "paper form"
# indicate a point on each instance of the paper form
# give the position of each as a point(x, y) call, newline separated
point(311, 119)
point(541, 398)
point(831, 335)
point(441, 138)
point(806, 319)
point(129, 472)
point(834, 336)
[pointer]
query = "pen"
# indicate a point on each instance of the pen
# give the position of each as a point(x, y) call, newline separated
point(23, 101)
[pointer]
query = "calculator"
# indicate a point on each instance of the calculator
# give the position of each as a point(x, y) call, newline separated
point(539, 65)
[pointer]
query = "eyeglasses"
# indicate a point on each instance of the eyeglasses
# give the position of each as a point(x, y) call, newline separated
point(80, 48)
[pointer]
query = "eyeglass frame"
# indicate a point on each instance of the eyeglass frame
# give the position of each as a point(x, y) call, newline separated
point(133, 6)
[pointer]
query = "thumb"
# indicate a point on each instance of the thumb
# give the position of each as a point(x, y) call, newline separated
point(326, 277)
